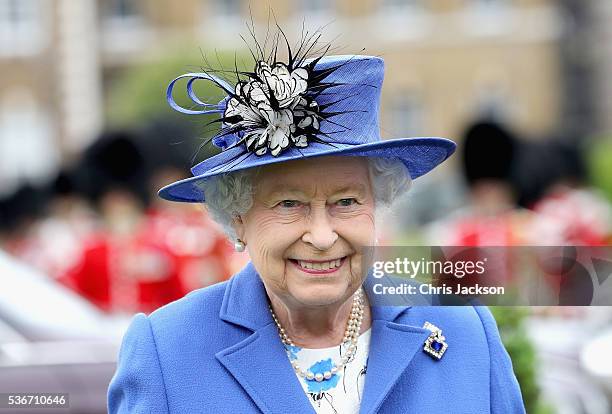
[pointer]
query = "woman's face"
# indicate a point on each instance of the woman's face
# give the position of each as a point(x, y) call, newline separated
point(306, 227)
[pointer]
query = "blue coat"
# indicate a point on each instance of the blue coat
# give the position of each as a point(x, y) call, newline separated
point(217, 350)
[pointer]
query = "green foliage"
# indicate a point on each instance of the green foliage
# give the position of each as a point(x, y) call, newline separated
point(600, 165)
point(137, 94)
point(521, 351)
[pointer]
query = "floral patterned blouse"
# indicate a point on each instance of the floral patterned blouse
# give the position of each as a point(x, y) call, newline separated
point(341, 394)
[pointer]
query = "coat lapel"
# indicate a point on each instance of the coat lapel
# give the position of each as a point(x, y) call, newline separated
point(259, 362)
point(393, 345)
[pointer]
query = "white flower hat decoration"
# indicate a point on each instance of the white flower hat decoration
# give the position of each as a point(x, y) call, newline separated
point(309, 106)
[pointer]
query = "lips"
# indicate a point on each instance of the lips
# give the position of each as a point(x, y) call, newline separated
point(319, 266)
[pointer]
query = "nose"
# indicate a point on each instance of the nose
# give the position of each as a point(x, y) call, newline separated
point(320, 233)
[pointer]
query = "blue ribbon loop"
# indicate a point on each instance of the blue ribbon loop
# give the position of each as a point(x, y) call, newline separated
point(208, 107)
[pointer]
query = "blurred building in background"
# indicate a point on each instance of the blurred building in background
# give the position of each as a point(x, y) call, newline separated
point(50, 88)
point(73, 71)
point(600, 41)
point(449, 62)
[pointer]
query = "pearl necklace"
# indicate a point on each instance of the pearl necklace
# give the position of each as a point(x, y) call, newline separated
point(351, 334)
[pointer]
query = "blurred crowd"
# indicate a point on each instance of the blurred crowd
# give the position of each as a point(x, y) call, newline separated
point(524, 193)
point(99, 228)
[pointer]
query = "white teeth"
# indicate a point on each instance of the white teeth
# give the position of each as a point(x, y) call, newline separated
point(305, 265)
point(320, 265)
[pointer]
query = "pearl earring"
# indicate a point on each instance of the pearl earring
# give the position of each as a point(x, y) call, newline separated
point(239, 245)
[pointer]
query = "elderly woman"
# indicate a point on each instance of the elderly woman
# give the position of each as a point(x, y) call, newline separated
point(299, 182)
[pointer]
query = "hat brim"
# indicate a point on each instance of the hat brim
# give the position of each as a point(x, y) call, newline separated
point(420, 155)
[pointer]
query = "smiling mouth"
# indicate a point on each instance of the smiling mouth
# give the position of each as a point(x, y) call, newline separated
point(319, 267)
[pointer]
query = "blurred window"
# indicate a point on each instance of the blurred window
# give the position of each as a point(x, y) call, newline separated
point(121, 9)
point(311, 10)
point(402, 6)
point(27, 147)
point(228, 8)
point(220, 17)
point(489, 17)
point(400, 20)
point(21, 31)
point(490, 3)
point(124, 28)
point(316, 6)
point(406, 114)
point(489, 6)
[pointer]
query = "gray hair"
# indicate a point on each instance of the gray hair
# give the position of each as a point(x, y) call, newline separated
point(229, 195)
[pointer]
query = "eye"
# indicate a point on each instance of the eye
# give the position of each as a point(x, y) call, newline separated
point(346, 202)
point(289, 204)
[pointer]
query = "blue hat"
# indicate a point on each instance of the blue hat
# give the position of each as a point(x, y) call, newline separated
point(280, 112)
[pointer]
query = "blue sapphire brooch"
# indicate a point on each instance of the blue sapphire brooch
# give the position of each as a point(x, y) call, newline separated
point(435, 344)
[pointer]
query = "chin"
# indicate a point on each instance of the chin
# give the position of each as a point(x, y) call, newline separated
point(319, 294)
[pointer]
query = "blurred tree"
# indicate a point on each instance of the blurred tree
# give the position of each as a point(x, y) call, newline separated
point(600, 165)
point(137, 95)
point(510, 322)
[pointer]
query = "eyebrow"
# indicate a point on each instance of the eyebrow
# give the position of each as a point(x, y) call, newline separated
point(285, 189)
point(359, 187)
point(289, 189)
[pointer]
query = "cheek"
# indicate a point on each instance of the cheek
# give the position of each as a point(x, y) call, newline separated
point(358, 227)
point(359, 230)
point(272, 231)
point(268, 237)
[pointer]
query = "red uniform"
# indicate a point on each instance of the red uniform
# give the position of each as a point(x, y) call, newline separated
point(166, 256)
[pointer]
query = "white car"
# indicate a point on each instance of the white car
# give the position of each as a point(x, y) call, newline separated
point(54, 341)
point(595, 359)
